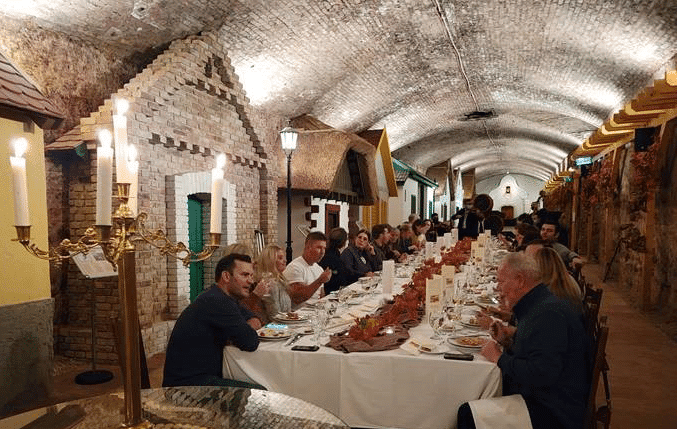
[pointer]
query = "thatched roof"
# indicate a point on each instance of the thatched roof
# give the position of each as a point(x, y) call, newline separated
point(319, 156)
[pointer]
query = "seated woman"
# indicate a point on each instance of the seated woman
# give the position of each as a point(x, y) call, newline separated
point(555, 275)
point(270, 265)
point(358, 257)
point(406, 242)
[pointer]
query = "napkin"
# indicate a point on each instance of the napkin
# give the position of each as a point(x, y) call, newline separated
point(506, 412)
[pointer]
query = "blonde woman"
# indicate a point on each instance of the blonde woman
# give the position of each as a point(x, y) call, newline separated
point(555, 275)
point(269, 268)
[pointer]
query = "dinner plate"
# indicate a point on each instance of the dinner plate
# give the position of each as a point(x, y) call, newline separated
point(291, 317)
point(470, 341)
point(431, 349)
point(437, 350)
point(274, 334)
point(468, 322)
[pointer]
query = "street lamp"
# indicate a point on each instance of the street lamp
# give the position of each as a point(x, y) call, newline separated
point(288, 135)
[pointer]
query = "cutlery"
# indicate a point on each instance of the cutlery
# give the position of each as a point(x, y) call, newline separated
point(293, 339)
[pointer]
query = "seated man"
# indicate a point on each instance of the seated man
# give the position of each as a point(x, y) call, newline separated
point(304, 275)
point(550, 232)
point(380, 238)
point(546, 360)
point(214, 320)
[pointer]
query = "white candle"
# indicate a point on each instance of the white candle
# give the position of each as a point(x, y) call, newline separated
point(217, 195)
point(104, 178)
point(20, 185)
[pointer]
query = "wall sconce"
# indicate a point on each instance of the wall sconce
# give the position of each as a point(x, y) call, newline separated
point(507, 189)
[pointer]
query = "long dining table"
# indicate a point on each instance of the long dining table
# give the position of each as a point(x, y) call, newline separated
point(385, 389)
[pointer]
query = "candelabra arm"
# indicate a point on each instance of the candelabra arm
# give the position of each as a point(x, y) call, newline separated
point(65, 250)
point(159, 240)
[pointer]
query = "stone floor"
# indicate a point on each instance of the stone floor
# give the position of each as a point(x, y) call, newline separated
point(642, 358)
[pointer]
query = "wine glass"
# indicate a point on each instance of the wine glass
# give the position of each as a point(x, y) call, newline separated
point(436, 321)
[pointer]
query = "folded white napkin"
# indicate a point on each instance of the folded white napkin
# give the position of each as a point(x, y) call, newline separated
point(505, 412)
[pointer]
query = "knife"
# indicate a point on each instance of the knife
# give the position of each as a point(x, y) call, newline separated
point(293, 339)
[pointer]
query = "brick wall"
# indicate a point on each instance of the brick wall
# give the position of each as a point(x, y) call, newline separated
point(185, 107)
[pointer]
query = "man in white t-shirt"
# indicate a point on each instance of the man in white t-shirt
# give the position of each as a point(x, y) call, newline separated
point(304, 275)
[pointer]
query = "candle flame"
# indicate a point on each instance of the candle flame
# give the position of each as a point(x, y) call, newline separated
point(121, 106)
point(221, 161)
point(132, 163)
point(131, 153)
point(20, 146)
point(105, 137)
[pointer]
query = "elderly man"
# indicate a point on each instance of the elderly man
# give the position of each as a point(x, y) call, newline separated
point(545, 361)
point(214, 320)
point(550, 232)
point(304, 275)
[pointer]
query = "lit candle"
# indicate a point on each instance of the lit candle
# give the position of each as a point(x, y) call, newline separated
point(217, 194)
point(120, 134)
point(20, 185)
point(104, 178)
point(133, 178)
point(132, 163)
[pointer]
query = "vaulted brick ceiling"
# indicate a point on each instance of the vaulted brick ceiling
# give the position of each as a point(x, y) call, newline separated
point(551, 70)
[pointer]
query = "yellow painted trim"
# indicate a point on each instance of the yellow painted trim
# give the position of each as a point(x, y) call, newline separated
point(384, 149)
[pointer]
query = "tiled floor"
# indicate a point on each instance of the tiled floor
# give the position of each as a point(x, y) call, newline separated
point(642, 359)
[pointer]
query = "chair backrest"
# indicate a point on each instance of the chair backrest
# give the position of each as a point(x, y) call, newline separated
point(260, 241)
point(592, 301)
point(599, 369)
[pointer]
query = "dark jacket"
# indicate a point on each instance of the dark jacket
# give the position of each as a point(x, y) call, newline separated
point(195, 348)
point(357, 262)
point(547, 362)
point(339, 274)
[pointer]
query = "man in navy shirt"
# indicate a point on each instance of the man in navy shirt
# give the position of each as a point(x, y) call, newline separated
point(214, 320)
point(546, 358)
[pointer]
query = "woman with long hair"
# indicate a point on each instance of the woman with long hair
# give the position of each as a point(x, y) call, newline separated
point(269, 267)
point(556, 276)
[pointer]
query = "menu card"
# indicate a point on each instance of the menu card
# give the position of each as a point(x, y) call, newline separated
point(387, 276)
point(433, 294)
point(448, 273)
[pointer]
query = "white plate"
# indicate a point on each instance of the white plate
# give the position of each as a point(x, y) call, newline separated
point(466, 321)
point(285, 317)
point(470, 341)
point(274, 334)
point(437, 350)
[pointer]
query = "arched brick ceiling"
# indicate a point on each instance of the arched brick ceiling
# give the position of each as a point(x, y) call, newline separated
point(551, 70)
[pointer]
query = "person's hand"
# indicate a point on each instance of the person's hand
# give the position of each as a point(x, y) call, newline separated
point(483, 320)
point(370, 249)
point(369, 274)
point(501, 333)
point(402, 258)
point(501, 312)
point(491, 351)
point(576, 263)
point(255, 323)
point(262, 288)
point(325, 276)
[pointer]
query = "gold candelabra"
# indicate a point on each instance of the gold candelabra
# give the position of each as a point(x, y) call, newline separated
point(118, 244)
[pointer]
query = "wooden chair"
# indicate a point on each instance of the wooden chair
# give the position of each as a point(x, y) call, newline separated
point(600, 369)
point(592, 301)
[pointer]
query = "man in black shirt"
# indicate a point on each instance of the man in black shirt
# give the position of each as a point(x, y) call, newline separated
point(214, 320)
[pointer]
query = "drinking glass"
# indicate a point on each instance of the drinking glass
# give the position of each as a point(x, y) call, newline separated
point(436, 321)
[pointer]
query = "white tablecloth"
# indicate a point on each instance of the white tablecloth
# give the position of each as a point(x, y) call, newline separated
point(392, 389)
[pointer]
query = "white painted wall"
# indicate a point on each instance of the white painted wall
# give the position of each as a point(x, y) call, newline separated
point(523, 191)
point(399, 208)
point(445, 198)
point(298, 216)
point(320, 217)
